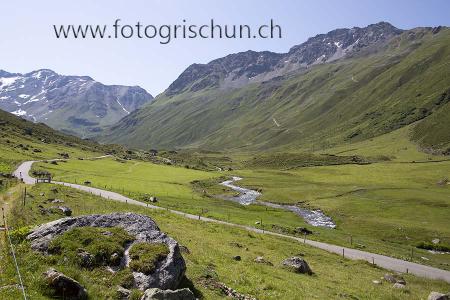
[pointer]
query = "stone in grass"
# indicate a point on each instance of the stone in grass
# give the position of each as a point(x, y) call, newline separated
point(158, 294)
point(394, 278)
point(63, 209)
point(122, 293)
point(64, 286)
point(237, 257)
point(398, 286)
point(262, 260)
point(297, 265)
point(438, 296)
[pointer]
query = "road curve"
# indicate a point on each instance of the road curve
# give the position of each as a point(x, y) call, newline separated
point(383, 261)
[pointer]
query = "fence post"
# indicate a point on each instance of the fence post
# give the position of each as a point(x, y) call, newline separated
point(343, 253)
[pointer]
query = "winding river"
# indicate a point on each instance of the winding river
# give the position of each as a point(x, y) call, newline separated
point(247, 196)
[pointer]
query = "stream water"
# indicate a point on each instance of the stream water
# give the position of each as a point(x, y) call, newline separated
point(247, 196)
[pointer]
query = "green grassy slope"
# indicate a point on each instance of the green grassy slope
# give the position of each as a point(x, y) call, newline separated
point(328, 105)
point(23, 140)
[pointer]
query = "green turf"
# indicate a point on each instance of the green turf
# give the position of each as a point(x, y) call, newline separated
point(211, 248)
point(387, 208)
point(144, 256)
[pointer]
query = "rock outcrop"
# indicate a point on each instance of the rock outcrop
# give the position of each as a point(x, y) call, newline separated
point(168, 272)
point(297, 265)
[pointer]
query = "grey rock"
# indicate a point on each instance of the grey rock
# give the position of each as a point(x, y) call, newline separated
point(262, 260)
point(436, 241)
point(64, 209)
point(57, 201)
point(438, 296)
point(398, 286)
point(237, 258)
point(122, 293)
point(64, 286)
point(297, 264)
point(158, 294)
point(167, 274)
point(394, 278)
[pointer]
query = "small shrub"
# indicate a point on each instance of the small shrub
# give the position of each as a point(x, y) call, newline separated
point(18, 235)
point(144, 256)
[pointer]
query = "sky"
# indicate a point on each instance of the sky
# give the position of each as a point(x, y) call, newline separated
point(28, 42)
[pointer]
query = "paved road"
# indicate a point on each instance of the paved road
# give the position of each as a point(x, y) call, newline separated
point(383, 261)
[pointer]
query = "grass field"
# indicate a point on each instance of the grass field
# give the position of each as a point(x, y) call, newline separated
point(171, 185)
point(387, 208)
point(211, 249)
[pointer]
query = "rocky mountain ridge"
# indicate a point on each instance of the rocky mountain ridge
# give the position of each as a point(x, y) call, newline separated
point(74, 104)
point(236, 70)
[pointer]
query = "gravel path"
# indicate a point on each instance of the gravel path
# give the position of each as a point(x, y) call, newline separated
point(383, 261)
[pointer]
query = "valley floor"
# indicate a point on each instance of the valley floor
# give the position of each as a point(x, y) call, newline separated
point(334, 277)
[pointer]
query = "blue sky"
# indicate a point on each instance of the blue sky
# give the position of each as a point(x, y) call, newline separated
point(27, 41)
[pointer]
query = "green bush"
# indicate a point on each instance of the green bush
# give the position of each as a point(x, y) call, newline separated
point(18, 235)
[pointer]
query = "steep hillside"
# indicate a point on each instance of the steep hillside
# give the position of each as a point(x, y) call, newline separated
point(74, 104)
point(382, 86)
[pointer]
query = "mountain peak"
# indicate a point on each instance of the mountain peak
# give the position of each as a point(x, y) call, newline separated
point(75, 104)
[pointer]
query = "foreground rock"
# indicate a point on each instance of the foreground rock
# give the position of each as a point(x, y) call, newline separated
point(297, 265)
point(438, 296)
point(64, 286)
point(168, 272)
point(158, 294)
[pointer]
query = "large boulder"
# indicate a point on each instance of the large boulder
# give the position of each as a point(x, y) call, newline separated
point(438, 296)
point(168, 272)
point(158, 294)
point(297, 265)
point(64, 286)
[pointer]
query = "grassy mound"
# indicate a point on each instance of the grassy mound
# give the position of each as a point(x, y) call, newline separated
point(144, 256)
point(97, 244)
